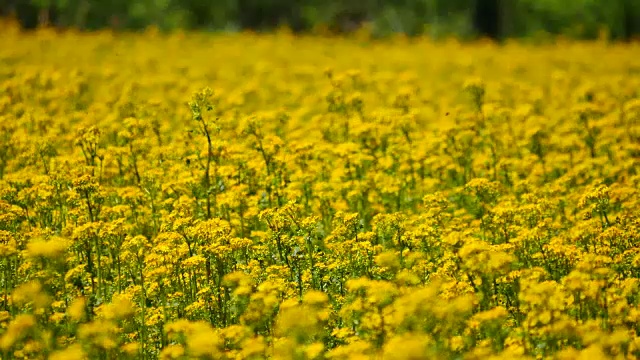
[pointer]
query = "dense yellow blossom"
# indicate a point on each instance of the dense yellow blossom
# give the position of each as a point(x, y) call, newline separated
point(246, 196)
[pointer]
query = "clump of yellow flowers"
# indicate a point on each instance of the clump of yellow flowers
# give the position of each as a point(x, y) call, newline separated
point(249, 196)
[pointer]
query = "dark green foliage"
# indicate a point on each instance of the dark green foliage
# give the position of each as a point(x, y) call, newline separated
point(464, 18)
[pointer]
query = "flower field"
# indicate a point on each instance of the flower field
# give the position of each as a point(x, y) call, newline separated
point(199, 196)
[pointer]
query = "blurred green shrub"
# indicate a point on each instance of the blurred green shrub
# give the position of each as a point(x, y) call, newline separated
point(514, 18)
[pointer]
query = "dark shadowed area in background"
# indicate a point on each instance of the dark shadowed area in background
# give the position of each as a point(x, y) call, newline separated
point(498, 19)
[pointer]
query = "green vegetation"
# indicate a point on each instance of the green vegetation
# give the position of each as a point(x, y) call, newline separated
point(463, 18)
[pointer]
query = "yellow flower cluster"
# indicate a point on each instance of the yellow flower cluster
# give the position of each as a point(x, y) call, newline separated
point(247, 196)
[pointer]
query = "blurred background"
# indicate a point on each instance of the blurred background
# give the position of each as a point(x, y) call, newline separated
point(498, 19)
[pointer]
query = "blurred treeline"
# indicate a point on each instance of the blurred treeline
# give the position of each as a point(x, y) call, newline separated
point(499, 19)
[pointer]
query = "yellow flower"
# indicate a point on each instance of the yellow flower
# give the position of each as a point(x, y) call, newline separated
point(120, 307)
point(77, 309)
point(100, 333)
point(407, 346)
point(364, 213)
point(172, 351)
point(389, 260)
point(73, 352)
point(203, 343)
point(16, 330)
point(315, 298)
point(31, 292)
point(253, 347)
point(53, 248)
point(356, 350)
point(8, 244)
point(131, 348)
